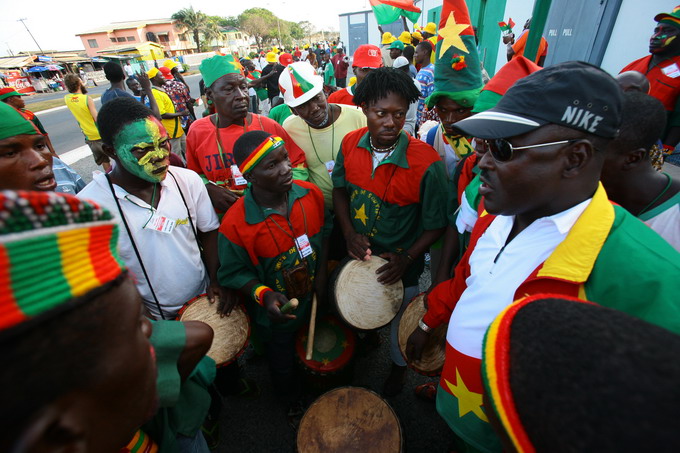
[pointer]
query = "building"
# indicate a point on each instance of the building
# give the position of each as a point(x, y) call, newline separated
point(131, 34)
point(586, 30)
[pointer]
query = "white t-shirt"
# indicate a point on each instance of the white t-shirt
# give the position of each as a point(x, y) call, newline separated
point(172, 260)
point(665, 220)
point(497, 270)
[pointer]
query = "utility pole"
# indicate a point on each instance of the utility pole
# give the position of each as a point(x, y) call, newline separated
point(29, 32)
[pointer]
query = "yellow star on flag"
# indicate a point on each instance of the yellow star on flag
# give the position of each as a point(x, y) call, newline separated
point(360, 214)
point(325, 361)
point(467, 401)
point(451, 35)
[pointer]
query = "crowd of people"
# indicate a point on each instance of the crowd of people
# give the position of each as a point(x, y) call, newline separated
point(534, 199)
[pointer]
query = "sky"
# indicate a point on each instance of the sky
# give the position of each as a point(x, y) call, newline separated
point(54, 26)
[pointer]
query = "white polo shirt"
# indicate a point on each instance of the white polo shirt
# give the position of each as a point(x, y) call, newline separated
point(172, 260)
point(497, 270)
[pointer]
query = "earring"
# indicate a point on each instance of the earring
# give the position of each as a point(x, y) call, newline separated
point(209, 101)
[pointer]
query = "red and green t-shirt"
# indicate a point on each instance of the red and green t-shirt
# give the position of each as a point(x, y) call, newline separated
point(393, 204)
point(256, 243)
point(203, 155)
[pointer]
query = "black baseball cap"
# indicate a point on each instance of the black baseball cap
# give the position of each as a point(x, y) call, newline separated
point(573, 94)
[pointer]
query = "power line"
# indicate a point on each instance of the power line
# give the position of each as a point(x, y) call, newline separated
point(29, 32)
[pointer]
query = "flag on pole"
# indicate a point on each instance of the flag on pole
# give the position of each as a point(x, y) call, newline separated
point(387, 11)
point(507, 27)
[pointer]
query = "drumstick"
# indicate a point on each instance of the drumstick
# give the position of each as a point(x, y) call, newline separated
point(312, 325)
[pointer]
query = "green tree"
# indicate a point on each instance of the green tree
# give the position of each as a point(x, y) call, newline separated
point(192, 21)
point(212, 32)
point(260, 23)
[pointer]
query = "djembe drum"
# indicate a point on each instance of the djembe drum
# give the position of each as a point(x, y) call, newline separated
point(432, 360)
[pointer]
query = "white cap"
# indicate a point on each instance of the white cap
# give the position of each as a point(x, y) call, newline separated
point(400, 62)
point(299, 83)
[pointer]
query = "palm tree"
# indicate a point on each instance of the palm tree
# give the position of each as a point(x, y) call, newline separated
point(213, 32)
point(194, 21)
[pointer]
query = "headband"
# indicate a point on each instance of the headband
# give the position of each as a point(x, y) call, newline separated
point(53, 248)
point(266, 147)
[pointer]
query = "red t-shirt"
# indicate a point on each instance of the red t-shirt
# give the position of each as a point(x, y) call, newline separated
point(203, 156)
point(664, 79)
point(340, 66)
point(342, 97)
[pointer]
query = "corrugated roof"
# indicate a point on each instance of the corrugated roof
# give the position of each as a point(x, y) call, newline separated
point(128, 47)
point(125, 26)
point(15, 62)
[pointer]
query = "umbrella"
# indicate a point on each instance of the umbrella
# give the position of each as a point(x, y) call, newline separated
point(37, 69)
point(54, 67)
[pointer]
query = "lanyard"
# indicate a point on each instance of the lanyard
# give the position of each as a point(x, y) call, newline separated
point(218, 140)
point(309, 130)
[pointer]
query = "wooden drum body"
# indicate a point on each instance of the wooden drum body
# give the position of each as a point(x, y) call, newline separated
point(349, 419)
point(432, 360)
point(362, 301)
point(231, 332)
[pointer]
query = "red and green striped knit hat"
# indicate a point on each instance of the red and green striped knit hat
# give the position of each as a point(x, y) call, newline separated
point(672, 18)
point(53, 248)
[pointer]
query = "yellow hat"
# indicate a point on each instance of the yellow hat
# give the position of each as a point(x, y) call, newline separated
point(271, 57)
point(387, 38)
point(275, 49)
point(352, 81)
point(405, 37)
point(152, 72)
point(417, 27)
point(417, 35)
point(306, 46)
point(170, 64)
point(431, 28)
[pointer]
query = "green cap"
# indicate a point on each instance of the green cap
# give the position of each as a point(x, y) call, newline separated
point(13, 123)
point(9, 92)
point(220, 65)
point(397, 45)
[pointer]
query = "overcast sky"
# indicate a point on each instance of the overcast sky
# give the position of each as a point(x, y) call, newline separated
point(54, 27)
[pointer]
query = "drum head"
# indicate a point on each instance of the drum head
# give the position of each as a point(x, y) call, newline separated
point(363, 302)
point(432, 360)
point(333, 346)
point(349, 419)
point(231, 332)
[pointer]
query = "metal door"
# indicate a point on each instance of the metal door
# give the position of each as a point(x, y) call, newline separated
point(571, 29)
point(358, 32)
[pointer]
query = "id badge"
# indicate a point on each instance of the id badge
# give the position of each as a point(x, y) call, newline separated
point(239, 180)
point(161, 223)
point(671, 71)
point(303, 245)
point(330, 165)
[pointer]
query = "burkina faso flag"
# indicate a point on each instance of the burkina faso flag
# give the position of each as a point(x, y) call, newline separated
point(387, 11)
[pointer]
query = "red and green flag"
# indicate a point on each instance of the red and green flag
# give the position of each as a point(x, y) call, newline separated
point(387, 11)
point(507, 27)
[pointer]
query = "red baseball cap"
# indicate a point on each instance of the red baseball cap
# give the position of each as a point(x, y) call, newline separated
point(367, 56)
point(9, 92)
point(285, 59)
point(166, 72)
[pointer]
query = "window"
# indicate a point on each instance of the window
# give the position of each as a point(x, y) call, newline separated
point(113, 39)
point(130, 38)
point(92, 43)
point(163, 39)
point(120, 39)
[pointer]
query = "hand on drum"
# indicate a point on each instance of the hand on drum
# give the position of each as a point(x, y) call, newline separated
point(394, 269)
point(273, 302)
point(358, 247)
point(221, 197)
point(415, 344)
point(227, 300)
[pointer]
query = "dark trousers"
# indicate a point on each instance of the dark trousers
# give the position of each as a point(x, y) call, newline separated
point(280, 352)
point(341, 83)
point(254, 105)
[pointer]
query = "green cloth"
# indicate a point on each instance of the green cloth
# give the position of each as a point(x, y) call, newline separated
point(13, 123)
point(385, 12)
point(329, 75)
point(280, 113)
point(220, 65)
point(184, 405)
point(397, 45)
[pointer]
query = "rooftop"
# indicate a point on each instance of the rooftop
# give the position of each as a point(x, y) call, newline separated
point(110, 28)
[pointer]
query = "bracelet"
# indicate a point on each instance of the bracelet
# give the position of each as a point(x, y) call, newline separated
point(425, 328)
point(258, 293)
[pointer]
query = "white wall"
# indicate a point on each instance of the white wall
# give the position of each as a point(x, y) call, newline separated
point(520, 11)
point(632, 30)
point(344, 29)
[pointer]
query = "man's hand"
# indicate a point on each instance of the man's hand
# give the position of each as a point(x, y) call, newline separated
point(358, 247)
point(273, 302)
point(144, 82)
point(227, 299)
point(415, 344)
point(184, 112)
point(221, 197)
point(394, 269)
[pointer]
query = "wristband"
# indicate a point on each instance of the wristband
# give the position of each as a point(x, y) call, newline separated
point(424, 327)
point(259, 292)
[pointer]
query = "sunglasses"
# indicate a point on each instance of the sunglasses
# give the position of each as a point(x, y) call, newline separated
point(502, 150)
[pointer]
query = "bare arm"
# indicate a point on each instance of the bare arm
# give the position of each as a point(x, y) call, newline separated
point(91, 107)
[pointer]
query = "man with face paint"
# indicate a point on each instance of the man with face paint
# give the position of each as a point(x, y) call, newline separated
point(662, 68)
point(211, 139)
point(166, 210)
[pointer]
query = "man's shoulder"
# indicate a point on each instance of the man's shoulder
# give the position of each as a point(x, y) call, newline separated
point(351, 114)
point(353, 137)
point(201, 125)
point(96, 190)
point(636, 65)
point(185, 175)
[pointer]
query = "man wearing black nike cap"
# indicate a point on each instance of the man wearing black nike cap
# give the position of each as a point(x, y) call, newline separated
point(548, 228)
